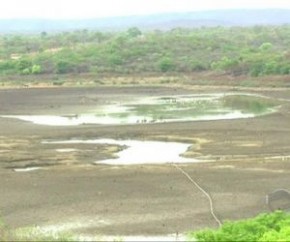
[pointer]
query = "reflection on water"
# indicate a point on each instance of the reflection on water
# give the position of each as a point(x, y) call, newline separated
point(65, 150)
point(140, 152)
point(27, 169)
point(163, 109)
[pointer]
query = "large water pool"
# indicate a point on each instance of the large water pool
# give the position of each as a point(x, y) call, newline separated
point(163, 109)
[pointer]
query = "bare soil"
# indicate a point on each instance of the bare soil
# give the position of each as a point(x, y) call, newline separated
point(251, 159)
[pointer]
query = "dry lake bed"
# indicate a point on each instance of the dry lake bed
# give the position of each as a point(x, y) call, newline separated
point(100, 161)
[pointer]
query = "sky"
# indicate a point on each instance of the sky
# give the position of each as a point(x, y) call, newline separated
point(68, 9)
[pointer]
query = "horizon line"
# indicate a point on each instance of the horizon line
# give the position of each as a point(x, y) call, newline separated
point(145, 14)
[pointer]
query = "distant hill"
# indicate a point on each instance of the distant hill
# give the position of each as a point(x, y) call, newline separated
point(237, 17)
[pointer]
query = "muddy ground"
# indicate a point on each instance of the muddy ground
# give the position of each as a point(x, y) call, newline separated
point(251, 157)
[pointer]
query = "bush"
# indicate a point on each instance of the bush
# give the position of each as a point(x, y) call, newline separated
point(36, 69)
point(64, 66)
point(265, 227)
point(26, 71)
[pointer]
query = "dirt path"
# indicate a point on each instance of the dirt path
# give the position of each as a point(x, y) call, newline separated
point(251, 160)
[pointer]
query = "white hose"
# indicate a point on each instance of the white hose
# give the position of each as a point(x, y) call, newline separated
point(202, 190)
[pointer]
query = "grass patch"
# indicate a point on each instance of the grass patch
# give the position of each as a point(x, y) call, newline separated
point(248, 83)
point(58, 83)
point(37, 234)
point(249, 104)
point(32, 234)
point(176, 108)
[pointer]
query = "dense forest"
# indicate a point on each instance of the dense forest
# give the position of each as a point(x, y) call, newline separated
point(253, 51)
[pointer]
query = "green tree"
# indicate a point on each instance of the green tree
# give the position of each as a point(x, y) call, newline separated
point(115, 59)
point(43, 34)
point(64, 66)
point(266, 46)
point(24, 64)
point(224, 64)
point(166, 64)
point(134, 32)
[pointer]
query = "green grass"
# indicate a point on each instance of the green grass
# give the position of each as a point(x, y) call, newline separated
point(36, 234)
point(249, 104)
point(32, 234)
point(248, 83)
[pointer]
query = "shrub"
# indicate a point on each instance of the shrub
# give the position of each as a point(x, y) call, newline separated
point(64, 66)
point(36, 69)
point(265, 227)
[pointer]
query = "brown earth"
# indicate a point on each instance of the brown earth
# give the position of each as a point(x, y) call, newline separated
point(251, 158)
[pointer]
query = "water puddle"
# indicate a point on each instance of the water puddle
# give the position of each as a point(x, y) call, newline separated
point(140, 152)
point(65, 150)
point(27, 169)
point(163, 109)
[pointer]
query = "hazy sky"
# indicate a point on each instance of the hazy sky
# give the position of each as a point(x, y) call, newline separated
point(103, 8)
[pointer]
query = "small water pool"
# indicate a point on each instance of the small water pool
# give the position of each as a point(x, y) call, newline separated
point(139, 152)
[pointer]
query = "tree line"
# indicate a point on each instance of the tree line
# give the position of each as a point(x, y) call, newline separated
point(253, 51)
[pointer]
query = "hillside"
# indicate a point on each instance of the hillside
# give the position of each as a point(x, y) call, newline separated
point(235, 17)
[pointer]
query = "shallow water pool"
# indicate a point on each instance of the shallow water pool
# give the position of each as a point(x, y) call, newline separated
point(139, 152)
